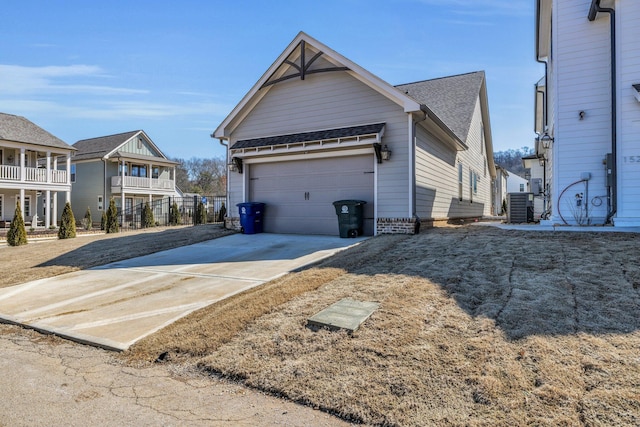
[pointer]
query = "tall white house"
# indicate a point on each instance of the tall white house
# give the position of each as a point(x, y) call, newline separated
point(588, 110)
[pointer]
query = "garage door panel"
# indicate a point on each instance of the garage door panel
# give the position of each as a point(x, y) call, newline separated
point(299, 195)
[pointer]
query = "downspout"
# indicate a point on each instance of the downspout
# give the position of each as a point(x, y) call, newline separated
point(593, 11)
point(414, 190)
point(226, 170)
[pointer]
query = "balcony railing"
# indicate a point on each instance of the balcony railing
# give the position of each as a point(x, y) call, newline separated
point(12, 173)
point(134, 182)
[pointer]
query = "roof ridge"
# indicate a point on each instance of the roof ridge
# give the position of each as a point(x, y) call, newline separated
point(109, 136)
point(441, 78)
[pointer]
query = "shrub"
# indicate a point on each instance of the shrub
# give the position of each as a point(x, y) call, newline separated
point(87, 222)
point(103, 221)
point(17, 234)
point(147, 216)
point(67, 228)
point(174, 214)
point(200, 216)
point(111, 225)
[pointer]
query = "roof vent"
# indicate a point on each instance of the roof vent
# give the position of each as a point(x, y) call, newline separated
point(637, 89)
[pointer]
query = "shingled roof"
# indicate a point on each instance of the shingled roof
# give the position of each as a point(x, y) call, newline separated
point(95, 148)
point(19, 129)
point(452, 99)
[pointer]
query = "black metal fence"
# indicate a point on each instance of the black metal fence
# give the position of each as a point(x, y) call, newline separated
point(176, 211)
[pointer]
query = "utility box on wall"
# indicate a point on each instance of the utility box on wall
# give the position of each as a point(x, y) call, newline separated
point(519, 207)
point(536, 186)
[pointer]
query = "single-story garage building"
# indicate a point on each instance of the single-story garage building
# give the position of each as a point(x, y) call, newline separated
point(317, 128)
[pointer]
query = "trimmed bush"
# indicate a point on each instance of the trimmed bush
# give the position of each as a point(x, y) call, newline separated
point(147, 217)
point(111, 225)
point(174, 214)
point(87, 222)
point(200, 216)
point(103, 221)
point(67, 228)
point(17, 234)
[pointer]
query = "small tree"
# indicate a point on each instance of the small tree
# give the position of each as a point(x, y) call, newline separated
point(174, 214)
point(147, 219)
point(17, 234)
point(67, 228)
point(112, 218)
point(87, 222)
point(103, 221)
point(200, 215)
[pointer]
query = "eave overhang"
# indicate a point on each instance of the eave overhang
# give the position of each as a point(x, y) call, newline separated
point(310, 142)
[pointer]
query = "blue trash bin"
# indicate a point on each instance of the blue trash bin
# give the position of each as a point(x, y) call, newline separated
point(251, 214)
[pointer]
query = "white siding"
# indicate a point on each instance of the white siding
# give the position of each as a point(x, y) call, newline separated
point(332, 100)
point(580, 81)
point(628, 52)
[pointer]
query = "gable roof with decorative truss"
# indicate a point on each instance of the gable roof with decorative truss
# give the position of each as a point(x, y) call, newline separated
point(447, 103)
point(306, 55)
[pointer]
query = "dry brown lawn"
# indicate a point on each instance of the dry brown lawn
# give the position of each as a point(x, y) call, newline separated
point(476, 326)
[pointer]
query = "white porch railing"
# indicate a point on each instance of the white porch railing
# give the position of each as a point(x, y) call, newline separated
point(12, 173)
point(134, 182)
point(59, 176)
point(35, 174)
point(9, 173)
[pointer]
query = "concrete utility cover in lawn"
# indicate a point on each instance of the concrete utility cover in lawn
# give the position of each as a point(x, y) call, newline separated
point(117, 304)
point(345, 314)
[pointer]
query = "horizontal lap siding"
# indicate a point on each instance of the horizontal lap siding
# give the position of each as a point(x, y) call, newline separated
point(86, 189)
point(332, 100)
point(581, 70)
point(437, 175)
point(628, 14)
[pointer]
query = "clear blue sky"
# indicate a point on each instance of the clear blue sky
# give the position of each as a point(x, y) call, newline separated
point(83, 69)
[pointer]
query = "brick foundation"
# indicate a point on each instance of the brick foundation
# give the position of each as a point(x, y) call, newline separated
point(399, 225)
point(232, 223)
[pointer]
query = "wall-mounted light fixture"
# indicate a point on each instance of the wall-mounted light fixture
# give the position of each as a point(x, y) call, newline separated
point(385, 153)
point(581, 115)
point(237, 163)
point(542, 161)
point(546, 140)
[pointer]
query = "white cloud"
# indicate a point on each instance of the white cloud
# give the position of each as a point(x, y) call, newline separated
point(21, 80)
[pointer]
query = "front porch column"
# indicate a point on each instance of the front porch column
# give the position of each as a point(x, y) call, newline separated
point(68, 169)
point(22, 202)
point(54, 211)
point(48, 167)
point(47, 208)
point(67, 197)
point(122, 204)
point(23, 175)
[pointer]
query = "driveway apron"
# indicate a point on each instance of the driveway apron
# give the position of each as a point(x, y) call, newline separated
point(115, 305)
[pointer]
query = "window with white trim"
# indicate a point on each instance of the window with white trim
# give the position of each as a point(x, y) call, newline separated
point(460, 181)
point(73, 172)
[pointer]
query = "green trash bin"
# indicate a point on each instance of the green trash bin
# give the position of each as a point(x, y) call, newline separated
point(350, 217)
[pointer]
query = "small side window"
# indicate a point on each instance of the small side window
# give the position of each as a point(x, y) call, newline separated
point(73, 173)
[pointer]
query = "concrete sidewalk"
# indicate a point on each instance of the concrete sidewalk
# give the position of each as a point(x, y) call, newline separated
point(115, 305)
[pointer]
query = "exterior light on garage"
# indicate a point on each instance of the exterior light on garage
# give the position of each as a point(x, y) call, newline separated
point(236, 164)
point(385, 153)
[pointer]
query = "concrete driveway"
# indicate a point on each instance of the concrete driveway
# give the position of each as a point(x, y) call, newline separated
point(115, 305)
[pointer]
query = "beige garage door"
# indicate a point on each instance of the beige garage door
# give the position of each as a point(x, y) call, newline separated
point(299, 195)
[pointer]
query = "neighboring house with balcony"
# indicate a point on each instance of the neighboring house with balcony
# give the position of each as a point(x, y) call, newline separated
point(588, 110)
point(128, 167)
point(34, 168)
